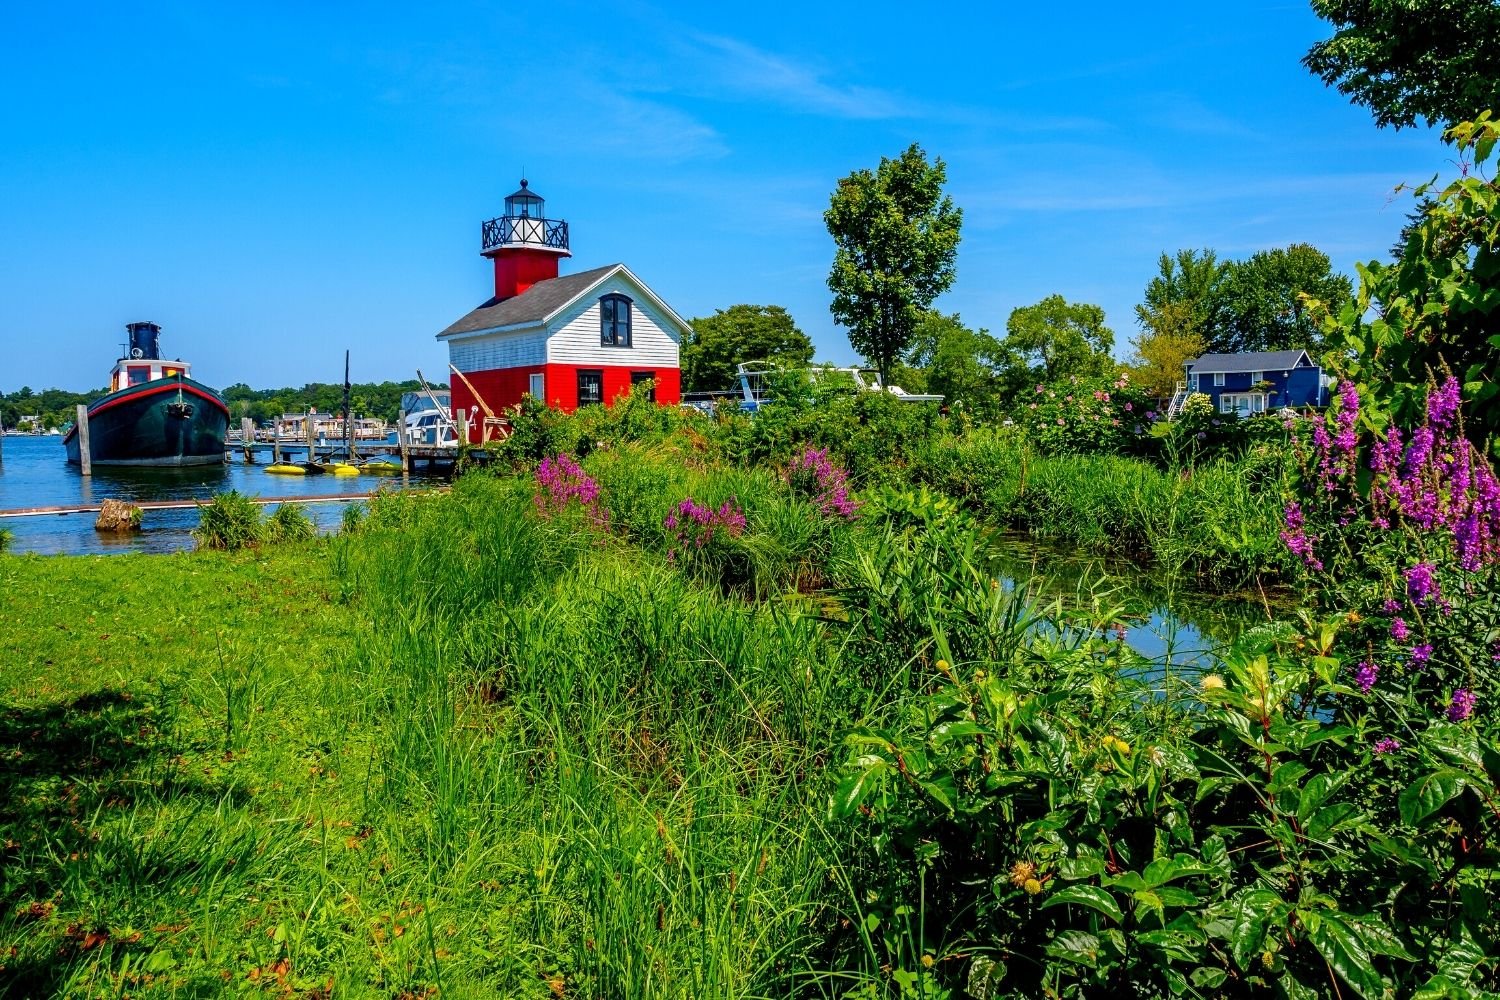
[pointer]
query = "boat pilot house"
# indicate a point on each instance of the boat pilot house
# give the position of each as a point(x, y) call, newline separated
point(1254, 382)
point(571, 340)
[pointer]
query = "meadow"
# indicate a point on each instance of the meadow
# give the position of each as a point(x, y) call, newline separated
point(670, 706)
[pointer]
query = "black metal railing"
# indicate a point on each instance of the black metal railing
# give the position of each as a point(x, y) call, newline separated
point(511, 229)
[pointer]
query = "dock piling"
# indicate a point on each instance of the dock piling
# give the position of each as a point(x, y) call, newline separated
point(84, 463)
point(312, 436)
point(247, 439)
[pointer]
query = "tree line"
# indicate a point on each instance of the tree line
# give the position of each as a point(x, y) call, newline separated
point(56, 408)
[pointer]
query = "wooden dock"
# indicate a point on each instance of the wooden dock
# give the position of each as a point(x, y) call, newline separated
point(189, 504)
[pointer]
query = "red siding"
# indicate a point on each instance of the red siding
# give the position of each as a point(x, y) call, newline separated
point(518, 269)
point(503, 388)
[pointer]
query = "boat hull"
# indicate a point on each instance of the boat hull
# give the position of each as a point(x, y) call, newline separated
point(166, 422)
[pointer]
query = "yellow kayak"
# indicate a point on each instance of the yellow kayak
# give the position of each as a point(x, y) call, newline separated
point(382, 467)
point(286, 469)
point(341, 469)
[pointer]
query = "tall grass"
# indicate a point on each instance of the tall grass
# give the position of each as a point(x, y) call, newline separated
point(1218, 522)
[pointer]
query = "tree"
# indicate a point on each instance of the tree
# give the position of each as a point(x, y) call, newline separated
point(1263, 302)
point(740, 333)
point(1438, 60)
point(895, 236)
point(1193, 278)
point(960, 364)
point(1437, 307)
point(1056, 338)
point(1166, 343)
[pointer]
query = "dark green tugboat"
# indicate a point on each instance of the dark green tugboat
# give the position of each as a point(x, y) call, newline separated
point(155, 414)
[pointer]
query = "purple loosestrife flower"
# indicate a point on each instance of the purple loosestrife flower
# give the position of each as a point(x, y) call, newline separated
point(1391, 605)
point(1442, 403)
point(1387, 745)
point(1462, 705)
point(1399, 630)
point(1421, 583)
point(1421, 653)
point(1297, 541)
point(1365, 676)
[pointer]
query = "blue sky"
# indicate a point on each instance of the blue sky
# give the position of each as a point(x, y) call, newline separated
point(274, 183)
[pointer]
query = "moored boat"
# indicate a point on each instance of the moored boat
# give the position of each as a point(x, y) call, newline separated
point(155, 413)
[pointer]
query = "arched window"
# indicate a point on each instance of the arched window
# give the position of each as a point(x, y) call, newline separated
point(614, 320)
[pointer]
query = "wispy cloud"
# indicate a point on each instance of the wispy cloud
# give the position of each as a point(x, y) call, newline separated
point(752, 72)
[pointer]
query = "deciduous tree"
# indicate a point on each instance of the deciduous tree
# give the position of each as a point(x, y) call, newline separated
point(1194, 279)
point(895, 235)
point(960, 364)
point(1263, 303)
point(1437, 60)
point(1056, 338)
point(1165, 344)
point(740, 333)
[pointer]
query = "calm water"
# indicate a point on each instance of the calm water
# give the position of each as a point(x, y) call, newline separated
point(34, 473)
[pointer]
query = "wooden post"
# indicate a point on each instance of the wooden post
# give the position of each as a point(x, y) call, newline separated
point(312, 436)
point(275, 445)
point(402, 442)
point(463, 426)
point(247, 439)
point(84, 459)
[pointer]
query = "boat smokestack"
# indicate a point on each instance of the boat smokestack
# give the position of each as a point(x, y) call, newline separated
point(145, 340)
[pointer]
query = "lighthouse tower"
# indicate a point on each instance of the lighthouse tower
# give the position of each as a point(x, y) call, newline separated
point(569, 340)
point(524, 244)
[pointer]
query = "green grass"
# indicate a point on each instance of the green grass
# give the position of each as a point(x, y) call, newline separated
point(467, 750)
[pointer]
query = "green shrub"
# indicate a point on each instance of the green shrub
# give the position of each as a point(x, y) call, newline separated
point(229, 521)
point(6, 538)
point(1086, 416)
point(289, 524)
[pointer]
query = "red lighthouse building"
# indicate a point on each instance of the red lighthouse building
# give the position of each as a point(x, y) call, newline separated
point(570, 340)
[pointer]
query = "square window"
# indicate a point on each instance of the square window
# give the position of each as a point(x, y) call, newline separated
point(636, 378)
point(1257, 377)
point(590, 386)
point(1218, 378)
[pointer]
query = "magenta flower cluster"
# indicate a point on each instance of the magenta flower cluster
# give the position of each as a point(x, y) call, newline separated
point(1296, 539)
point(824, 482)
point(1387, 745)
point(561, 481)
point(695, 526)
point(1437, 480)
point(1462, 705)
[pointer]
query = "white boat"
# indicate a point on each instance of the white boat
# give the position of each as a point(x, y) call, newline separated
point(752, 375)
point(427, 419)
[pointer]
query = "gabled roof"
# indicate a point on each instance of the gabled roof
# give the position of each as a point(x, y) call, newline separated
point(1250, 361)
point(546, 299)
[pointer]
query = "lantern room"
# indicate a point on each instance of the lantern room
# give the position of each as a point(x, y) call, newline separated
point(524, 244)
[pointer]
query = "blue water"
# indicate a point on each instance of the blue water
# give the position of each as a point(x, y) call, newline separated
point(34, 473)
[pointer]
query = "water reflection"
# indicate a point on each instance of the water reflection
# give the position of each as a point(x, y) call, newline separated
point(1165, 621)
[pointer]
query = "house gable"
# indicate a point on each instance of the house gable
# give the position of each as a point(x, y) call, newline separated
point(573, 332)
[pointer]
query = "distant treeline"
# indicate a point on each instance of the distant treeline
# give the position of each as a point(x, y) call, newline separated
point(381, 400)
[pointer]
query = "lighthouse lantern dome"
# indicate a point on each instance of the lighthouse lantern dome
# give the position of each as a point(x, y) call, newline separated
point(525, 204)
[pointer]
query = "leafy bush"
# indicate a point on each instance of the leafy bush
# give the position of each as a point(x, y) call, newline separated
point(1086, 416)
point(1044, 825)
point(289, 524)
point(229, 521)
point(6, 537)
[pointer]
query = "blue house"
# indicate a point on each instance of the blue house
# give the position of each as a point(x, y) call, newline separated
point(1254, 382)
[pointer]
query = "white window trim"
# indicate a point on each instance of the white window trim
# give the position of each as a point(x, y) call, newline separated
point(538, 379)
point(1257, 377)
point(1229, 402)
point(1218, 379)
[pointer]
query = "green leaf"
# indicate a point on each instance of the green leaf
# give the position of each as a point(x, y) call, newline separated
point(1430, 793)
point(1074, 869)
point(1075, 946)
point(1344, 950)
point(1254, 912)
point(1091, 896)
point(855, 787)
